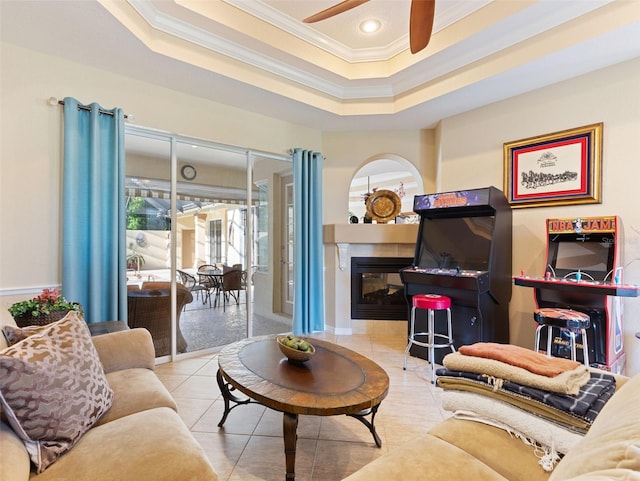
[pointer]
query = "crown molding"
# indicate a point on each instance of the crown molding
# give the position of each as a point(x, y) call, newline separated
point(175, 27)
point(265, 12)
point(446, 16)
point(457, 60)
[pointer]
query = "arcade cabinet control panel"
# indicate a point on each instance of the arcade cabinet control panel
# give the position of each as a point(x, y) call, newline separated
point(603, 288)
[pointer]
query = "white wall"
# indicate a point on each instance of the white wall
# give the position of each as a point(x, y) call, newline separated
point(30, 151)
point(345, 153)
point(471, 146)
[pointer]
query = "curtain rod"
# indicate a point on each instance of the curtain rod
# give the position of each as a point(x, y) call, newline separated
point(54, 101)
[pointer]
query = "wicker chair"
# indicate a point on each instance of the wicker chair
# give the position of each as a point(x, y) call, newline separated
point(150, 307)
point(231, 285)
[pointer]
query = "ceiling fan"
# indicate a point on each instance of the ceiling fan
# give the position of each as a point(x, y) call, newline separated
point(420, 21)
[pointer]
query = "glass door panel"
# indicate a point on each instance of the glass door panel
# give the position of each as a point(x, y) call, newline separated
point(189, 215)
point(287, 245)
point(148, 240)
point(211, 237)
point(270, 313)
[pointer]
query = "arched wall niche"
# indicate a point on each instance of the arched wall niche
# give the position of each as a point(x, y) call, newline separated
point(384, 171)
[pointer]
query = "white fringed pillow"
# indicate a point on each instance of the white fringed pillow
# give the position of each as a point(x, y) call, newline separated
point(53, 388)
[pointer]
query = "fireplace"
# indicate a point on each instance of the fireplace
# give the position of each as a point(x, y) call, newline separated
point(377, 291)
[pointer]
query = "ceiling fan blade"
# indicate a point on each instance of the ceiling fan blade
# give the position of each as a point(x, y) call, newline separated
point(421, 23)
point(334, 10)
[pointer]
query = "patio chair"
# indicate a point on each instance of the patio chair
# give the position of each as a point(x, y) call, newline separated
point(150, 307)
point(190, 282)
point(238, 267)
point(209, 276)
point(208, 268)
point(231, 285)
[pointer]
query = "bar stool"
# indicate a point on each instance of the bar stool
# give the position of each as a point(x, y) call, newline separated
point(431, 303)
point(568, 320)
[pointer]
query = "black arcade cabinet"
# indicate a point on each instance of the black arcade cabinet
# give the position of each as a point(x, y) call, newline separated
point(463, 251)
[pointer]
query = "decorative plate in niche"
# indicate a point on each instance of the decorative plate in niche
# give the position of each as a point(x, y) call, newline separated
point(383, 205)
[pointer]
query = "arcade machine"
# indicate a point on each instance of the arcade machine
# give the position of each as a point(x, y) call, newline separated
point(463, 251)
point(583, 271)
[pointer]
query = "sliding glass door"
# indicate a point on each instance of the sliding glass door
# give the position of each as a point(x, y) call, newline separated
point(207, 217)
point(211, 236)
point(270, 240)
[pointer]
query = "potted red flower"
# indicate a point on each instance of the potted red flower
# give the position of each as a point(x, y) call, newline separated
point(48, 307)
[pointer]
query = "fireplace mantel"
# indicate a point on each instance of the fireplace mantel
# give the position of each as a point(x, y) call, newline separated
point(370, 233)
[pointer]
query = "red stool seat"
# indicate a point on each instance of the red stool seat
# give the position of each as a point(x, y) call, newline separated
point(429, 338)
point(431, 301)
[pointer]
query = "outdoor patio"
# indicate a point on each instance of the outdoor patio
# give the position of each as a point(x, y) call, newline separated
point(204, 327)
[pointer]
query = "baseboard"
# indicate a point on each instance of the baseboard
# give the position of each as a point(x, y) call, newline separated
point(340, 331)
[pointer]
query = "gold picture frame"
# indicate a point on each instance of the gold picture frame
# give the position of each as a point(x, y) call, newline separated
point(560, 168)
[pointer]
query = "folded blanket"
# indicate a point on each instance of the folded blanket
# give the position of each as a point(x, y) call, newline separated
point(533, 406)
point(533, 430)
point(568, 382)
point(522, 357)
point(586, 405)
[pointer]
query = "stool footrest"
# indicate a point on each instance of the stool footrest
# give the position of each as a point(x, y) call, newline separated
point(424, 344)
point(427, 344)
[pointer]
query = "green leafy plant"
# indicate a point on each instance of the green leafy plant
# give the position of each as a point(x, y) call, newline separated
point(49, 301)
point(135, 220)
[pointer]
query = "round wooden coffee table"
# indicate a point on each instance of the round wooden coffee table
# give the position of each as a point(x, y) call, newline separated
point(335, 381)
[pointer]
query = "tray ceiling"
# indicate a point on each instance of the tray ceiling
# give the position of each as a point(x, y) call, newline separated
point(258, 55)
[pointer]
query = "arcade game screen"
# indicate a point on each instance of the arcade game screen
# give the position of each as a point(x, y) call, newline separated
point(451, 243)
point(593, 257)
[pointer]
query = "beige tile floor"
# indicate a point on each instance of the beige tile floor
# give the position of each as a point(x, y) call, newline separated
point(250, 446)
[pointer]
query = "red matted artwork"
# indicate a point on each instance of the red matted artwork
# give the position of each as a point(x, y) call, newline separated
point(561, 168)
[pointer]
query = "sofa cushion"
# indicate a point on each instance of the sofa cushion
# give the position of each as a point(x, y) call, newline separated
point(136, 390)
point(53, 388)
point(152, 445)
point(14, 459)
point(14, 334)
point(120, 350)
point(426, 458)
point(6, 322)
point(125, 349)
point(609, 475)
point(613, 442)
point(483, 442)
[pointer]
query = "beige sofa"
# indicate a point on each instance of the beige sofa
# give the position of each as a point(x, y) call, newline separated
point(140, 437)
point(467, 450)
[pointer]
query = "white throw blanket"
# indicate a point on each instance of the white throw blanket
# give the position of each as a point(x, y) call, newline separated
point(546, 436)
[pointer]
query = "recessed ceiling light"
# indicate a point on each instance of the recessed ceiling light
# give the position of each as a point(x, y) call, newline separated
point(370, 26)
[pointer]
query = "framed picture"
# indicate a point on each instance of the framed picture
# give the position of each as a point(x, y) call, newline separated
point(561, 168)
